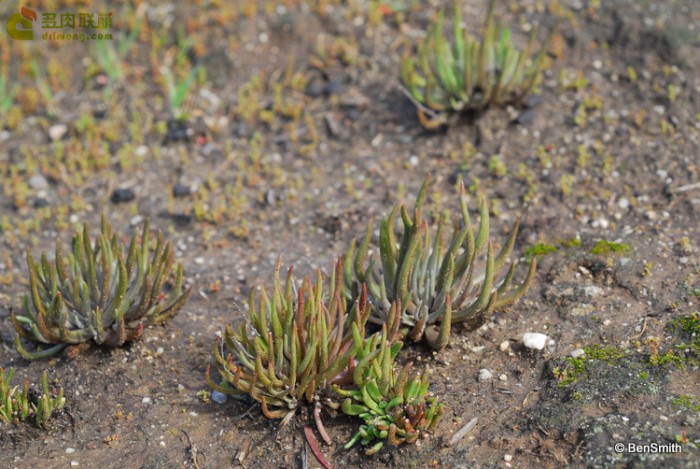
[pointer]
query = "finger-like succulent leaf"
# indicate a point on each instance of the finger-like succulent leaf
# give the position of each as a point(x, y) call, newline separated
point(418, 273)
point(90, 293)
point(463, 73)
point(295, 344)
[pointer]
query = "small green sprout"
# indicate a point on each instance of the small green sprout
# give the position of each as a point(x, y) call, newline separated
point(469, 74)
point(439, 284)
point(177, 90)
point(99, 292)
point(392, 402)
point(16, 406)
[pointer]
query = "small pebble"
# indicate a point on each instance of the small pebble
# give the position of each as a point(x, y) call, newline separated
point(146, 400)
point(181, 190)
point(505, 346)
point(56, 132)
point(534, 340)
point(141, 151)
point(485, 375)
point(219, 397)
point(122, 195)
point(507, 458)
point(70, 450)
point(623, 203)
point(38, 182)
point(503, 377)
point(74, 463)
point(40, 202)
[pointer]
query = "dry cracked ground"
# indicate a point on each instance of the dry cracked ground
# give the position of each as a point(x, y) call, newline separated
point(293, 135)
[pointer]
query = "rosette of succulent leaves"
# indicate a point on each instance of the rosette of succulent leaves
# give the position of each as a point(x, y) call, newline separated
point(439, 284)
point(101, 292)
point(467, 73)
point(294, 344)
point(393, 402)
point(17, 406)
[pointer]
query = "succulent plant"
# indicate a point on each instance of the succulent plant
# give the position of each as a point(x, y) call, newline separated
point(99, 292)
point(392, 402)
point(293, 346)
point(438, 284)
point(467, 73)
point(16, 406)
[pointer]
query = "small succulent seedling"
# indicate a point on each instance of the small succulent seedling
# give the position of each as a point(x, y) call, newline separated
point(392, 402)
point(439, 284)
point(468, 73)
point(293, 346)
point(16, 406)
point(99, 292)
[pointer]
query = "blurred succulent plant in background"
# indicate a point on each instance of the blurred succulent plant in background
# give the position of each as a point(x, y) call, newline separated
point(469, 73)
point(16, 406)
point(393, 402)
point(439, 284)
point(293, 346)
point(99, 292)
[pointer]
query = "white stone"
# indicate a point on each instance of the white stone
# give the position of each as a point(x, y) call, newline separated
point(507, 458)
point(146, 400)
point(70, 450)
point(485, 375)
point(38, 182)
point(56, 132)
point(534, 340)
point(505, 346)
point(593, 290)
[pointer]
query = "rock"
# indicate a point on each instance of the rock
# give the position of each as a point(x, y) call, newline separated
point(56, 132)
point(314, 88)
point(332, 87)
point(40, 202)
point(181, 190)
point(219, 397)
point(577, 352)
point(505, 346)
point(146, 400)
point(178, 130)
point(270, 197)
point(534, 340)
point(38, 182)
point(592, 290)
point(484, 375)
point(122, 195)
point(335, 128)
point(526, 117)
